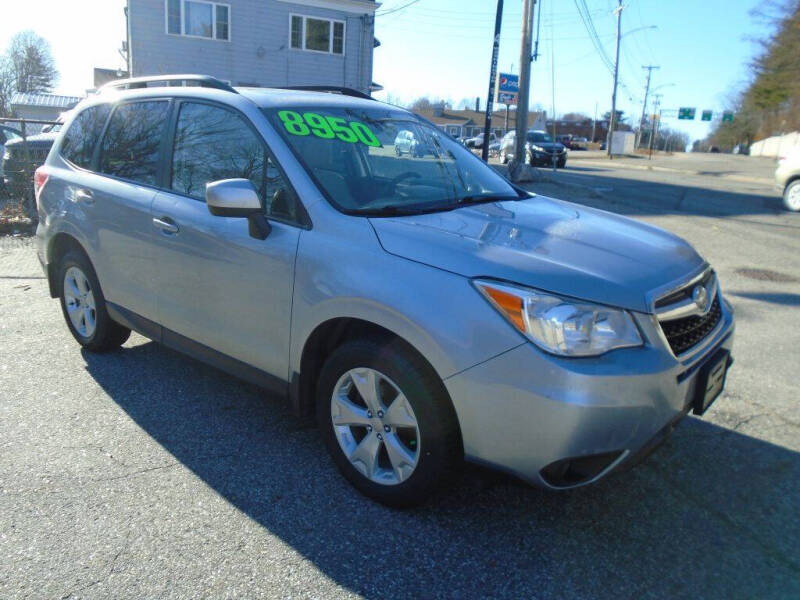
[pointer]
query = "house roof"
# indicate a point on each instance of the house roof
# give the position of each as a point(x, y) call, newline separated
point(464, 117)
point(48, 100)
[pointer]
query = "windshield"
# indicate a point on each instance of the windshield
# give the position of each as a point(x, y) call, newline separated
point(383, 161)
point(538, 136)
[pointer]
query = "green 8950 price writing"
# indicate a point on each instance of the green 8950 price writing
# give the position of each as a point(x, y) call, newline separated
point(328, 128)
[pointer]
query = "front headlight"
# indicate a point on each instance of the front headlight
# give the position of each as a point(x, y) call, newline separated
point(560, 325)
point(536, 148)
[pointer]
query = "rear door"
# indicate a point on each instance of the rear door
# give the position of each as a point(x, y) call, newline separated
point(120, 200)
point(217, 285)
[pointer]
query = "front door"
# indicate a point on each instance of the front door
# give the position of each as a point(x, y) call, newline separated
point(217, 285)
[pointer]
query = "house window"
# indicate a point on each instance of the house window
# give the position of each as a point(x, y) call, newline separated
point(317, 35)
point(197, 18)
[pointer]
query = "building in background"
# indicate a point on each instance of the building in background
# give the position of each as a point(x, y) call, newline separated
point(104, 76)
point(45, 107)
point(270, 43)
point(583, 128)
point(469, 123)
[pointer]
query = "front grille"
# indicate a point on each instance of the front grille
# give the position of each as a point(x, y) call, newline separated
point(683, 334)
point(684, 293)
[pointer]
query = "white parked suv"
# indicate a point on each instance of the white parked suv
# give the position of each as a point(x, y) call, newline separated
point(787, 176)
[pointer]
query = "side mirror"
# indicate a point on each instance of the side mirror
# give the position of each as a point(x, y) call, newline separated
point(238, 198)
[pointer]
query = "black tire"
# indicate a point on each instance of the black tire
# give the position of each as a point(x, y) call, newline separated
point(108, 334)
point(440, 445)
point(561, 164)
point(789, 195)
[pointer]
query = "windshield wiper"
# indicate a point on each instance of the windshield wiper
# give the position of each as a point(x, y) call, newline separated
point(484, 199)
point(394, 210)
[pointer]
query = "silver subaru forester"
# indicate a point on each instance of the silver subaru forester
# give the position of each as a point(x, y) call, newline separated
point(425, 309)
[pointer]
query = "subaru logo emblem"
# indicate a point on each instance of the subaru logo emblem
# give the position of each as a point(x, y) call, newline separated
point(700, 297)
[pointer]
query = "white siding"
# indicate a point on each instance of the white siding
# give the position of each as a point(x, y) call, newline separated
point(254, 24)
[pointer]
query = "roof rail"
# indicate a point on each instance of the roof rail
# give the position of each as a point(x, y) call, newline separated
point(344, 91)
point(142, 82)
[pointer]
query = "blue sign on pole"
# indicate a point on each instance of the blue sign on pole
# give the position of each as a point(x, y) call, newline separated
point(507, 88)
point(508, 82)
point(506, 98)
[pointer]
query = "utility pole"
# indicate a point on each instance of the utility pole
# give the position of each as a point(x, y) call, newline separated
point(594, 123)
point(487, 130)
point(656, 125)
point(520, 170)
point(612, 122)
point(644, 107)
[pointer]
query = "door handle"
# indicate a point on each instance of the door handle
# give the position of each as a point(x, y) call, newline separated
point(85, 196)
point(166, 225)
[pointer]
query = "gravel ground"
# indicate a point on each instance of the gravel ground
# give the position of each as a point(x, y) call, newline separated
point(143, 474)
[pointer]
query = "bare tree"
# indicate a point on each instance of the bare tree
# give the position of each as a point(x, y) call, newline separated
point(30, 62)
point(6, 87)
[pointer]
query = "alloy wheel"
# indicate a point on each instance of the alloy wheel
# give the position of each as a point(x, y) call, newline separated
point(79, 300)
point(793, 198)
point(375, 426)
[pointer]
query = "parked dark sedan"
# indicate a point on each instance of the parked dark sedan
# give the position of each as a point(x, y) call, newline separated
point(539, 147)
point(17, 169)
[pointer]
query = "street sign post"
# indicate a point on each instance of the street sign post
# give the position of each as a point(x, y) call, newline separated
point(727, 116)
point(686, 113)
point(706, 116)
point(487, 128)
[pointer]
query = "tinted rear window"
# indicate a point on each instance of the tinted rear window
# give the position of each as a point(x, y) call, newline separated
point(81, 138)
point(133, 140)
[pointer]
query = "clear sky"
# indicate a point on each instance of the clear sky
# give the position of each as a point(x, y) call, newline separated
point(441, 48)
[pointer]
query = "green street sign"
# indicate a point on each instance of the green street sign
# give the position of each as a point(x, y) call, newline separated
point(706, 116)
point(727, 116)
point(686, 113)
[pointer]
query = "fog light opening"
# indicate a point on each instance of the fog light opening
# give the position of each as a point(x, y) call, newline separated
point(569, 472)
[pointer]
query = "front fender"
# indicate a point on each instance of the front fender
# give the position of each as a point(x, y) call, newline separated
point(344, 272)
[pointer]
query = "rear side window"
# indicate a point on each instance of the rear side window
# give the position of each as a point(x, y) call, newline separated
point(81, 138)
point(133, 140)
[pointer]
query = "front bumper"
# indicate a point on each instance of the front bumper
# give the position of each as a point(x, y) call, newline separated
point(547, 157)
point(525, 410)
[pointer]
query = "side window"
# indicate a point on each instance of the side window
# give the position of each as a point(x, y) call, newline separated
point(212, 143)
point(133, 139)
point(81, 138)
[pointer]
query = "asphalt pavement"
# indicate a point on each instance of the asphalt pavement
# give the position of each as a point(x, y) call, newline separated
point(144, 474)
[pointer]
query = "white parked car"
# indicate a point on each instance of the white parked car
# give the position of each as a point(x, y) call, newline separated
point(787, 176)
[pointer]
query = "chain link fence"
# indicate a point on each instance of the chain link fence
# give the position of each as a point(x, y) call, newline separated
point(21, 157)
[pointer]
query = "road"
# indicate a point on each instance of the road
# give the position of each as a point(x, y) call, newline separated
point(143, 474)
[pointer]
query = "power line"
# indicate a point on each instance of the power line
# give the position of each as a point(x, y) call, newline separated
point(394, 10)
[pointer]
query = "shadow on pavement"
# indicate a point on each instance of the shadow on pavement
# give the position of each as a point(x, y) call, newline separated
point(785, 299)
point(633, 196)
point(712, 514)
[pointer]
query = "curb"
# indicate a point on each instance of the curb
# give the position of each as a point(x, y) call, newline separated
point(620, 165)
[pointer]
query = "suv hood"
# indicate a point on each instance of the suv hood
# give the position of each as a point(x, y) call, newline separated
point(547, 244)
point(39, 138)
